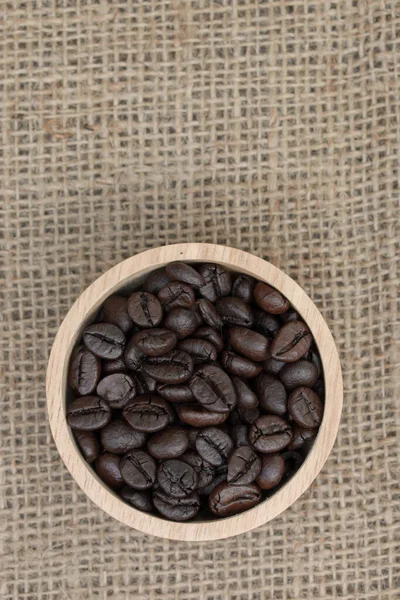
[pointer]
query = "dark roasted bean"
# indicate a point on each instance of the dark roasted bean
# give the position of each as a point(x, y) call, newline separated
point(118, 437)
point(243, 287)
point(239, 365)
point(108, 469)
point(226, 500)
point(272, 469)
point(269, 299)
point(133, 357)
point(269, 434)
point(155, 281)
point(176, 295)
point(213, 389)
point(273, 366)
point(209, 313)
point(113, 366)
point(180, 271)
point(174, 367)
point(243, 467)
point(266, 324)
point(117, 389)
point(239, 435)
point(155, 342)
point(249, 343)
point(145, 383)
point(138, 469)
point(195, 415)
point(305, 407)
point(137, 499)
point(84, 371)
point(291, 342)
point(175, 393)
point(300, 373)
point(218, 282)
point(147, 413)
point(200, 350)
point(211, 335)
point(168, 443)
point(182, 322)
point(271, 394)
point(177, 478)
point(88, 413)
point(235, 311)
point(104, 340)
point(88, 443)
point(176, 509)
point(205, 472)
point(115, 311)
point(302, 436)
point(214, 446)
point(290, 315)
point(145, 309)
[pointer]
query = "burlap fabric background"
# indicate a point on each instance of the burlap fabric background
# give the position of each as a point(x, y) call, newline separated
point(269, 126)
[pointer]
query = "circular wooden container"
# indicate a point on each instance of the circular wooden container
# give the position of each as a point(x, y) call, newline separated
point(128, 275)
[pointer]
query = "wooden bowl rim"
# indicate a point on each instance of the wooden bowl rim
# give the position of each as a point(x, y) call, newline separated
point(83, 310)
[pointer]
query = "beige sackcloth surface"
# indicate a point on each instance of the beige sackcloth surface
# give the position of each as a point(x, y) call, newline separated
point(271, 126)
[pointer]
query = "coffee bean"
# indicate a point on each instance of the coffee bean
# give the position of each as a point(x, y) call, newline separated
point(119, 438)
point(243, 467)
point(292, 341)
point(239, 365)
point(266, 324)
point(316, 361)
point(239, 435)
point(197, 416)
point(290, 315)
point(133, 357)
point(84, 371)
point(226, 500)
point(192, 434)
point(140, 500)
point(211, 335)
point(155, 281)
point(108, 469)
point(269, 434)
point(302, 436)
point(213, 389)
point(293, 461)
point(251, 344)
point(113, 366)
point(200, 350)
point(272, 394)
point(300, 373)
point(174, 367)
point(155, 342)
point(176, 509)
point(176, 394)
point(180, 271)
point(117, 389)
point(176, 295)
point(218, 478)
point(209, 313)
point(269, 299)
point(168, 443)
point(272, 469)
point(246, 398)
point(115, 311)
point(218, 281)
point(138, 469)
point(147, 413)
point(177, 478)
point(104, 340)
point(243, 288)
point(88, 443)
point(235, 311)
point(205, 472)
point(214, 446)
point(182, 322)
point(272, 366)
point(145, 309)
point(88, 413)
point(145, 383)
point(305, 407)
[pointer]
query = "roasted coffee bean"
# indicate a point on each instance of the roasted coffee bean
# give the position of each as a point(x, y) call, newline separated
point(145, 383)
point(194, 414)
point(293, 461)
point(207, 489)
point(196, 311)
point(226, 500)
point(218, 282)
point(168, 443)
point(266, 324)
point(244, 466)
point(155, 342)
point(104, 340)
point(176, 509)
point(180, 271)
point(205, 472)
point(269, 434)
point(176, 394)
point(119, 438)
point(239, 435)
point(291, 342)
point(246, 398)
point(138, 469)
point(269, 299)
point(140, 500)
point(243, 287)
point(305, 407)
point(133, 357)
point(182, 322)
point(145, 309)
point(235, 311)
point(271, 394)
point(209, 313)
point(249, 343)
point(88, 413)
point(249, 415)
point(302, 436)
point(108, 469)
point(213, 389)
point(177, 478)
point(200, 350)
point(300, 373)
point(211, 335)
point(290, 315)
point(84, 371)
point(239, 365)
point(148, 413)
point(271, 473)
point(316, 361)
point(174, 367)
point(272, 366)
point(214, 446)
point(176, 295)
point(115, 311)
point(117, 389)
point(88, 443)
point(192, 434)
point(155, 281)
point(113, 366)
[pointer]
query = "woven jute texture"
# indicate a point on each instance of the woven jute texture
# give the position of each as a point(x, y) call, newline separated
point(272, 126)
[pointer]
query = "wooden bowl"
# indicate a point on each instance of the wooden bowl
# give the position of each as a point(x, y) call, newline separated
point(129, 274)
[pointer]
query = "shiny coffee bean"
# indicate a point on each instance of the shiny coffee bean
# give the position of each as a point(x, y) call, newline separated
point(244, 466)
point(118, 437)
point(104, 340)
point(245, 397)
point(266, 324)
point(179, 271)
point(235, 311)
point(271, 394)
point(239, 434)
point(195, 415)
point(272, 470)
point(209, 313)
point(269, 299)
point(174, 367)
point(218, 281)
point(155, 342)
point(239, 365)
point(249, 343)
point(108, 469)
point(176, 295)
point(243, 287)
point(200, 350)
point(117, 389)
point(168, 443)
point(272, 366)
point(300, 373)
point(182, 322)
point(302, 437)
point(145, 384)
point(211, 335)
point(137, 499)
point(155, 281)
point(138, 469)
point(176, 509)
point(291, 342)
point(177, 478)
point(109, 367)
point(213, 389)
point(133, 357)
point(84, 371)
point(205, 472)
point(177, 394)
point(290, 315)
point(147, 413)
point(115, 311)
point(305, 407)
point(214, 446)
point(226, 500)
point(88, 443)
point(145, 309)
point(88, 413)
point(269, 434)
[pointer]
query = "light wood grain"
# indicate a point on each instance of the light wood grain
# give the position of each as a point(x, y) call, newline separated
point(82, 312)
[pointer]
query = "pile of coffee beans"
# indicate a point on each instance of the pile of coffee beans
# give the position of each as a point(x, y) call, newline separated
point(200, 391)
